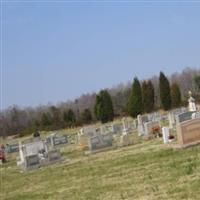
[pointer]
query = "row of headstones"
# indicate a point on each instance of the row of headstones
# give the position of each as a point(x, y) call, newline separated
point(96, 138)
point(91, 136)
point(53, 139)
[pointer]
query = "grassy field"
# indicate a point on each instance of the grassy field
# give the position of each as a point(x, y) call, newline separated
point(147, 170)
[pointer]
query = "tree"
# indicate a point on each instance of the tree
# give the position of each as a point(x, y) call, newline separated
point(197, 82)
point(69, 117)
point(56, 117)
point(148, 96)
point(86, 116)
point(103, 108)
point(165, 95)
point(175, 95)
point(46, 120)
point(135, 106)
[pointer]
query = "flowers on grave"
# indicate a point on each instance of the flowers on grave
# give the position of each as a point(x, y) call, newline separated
point(156, 131)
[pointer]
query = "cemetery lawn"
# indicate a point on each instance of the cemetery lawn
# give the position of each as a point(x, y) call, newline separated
point(147, 170)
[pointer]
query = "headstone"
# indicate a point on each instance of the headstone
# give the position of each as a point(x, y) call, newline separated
point(83, 141)
point(55, 139)
point(188, 132)
point(117, 128)
point(165, 133)
point(12, 148)
point(184, 116)
point(125, 140)
point(99, 142)
point(126, 127)
point(35, 153)
point(89, 130)
point(85, 133)
point(195, 115)
point(54, 155)
point(107, 129)
point(151, 127)
point(34, 148)
point(140, 121)
point(31, 161)
point(172, 121)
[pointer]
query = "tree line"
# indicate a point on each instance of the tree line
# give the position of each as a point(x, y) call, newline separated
point(140, 96)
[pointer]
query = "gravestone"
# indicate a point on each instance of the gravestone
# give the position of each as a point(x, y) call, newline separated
point(125, 140)
point(55, 139)
point(184, 116)
point(31, 162)
point(117, 128)
point(126, 126)
point(83, 141)
point(29, 151)
point(172, 121)
point(12, 148)
point(99, 142)
point(188, 132)
point(195, 115)
point(89, 130)
point(165, 133)
point(141, 119)
point(172, 116)
point(151, 127)
point(106, 129)
point(35, 153)
point(54, 155)
point(85, 133)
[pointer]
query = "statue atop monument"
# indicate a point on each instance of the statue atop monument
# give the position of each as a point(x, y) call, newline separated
point(191, 101)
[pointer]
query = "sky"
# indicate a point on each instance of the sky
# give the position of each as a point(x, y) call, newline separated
point(56, 51)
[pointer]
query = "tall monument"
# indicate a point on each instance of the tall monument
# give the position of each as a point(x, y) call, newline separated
point(191, 101)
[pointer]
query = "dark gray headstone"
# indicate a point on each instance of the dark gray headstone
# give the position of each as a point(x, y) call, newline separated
point(12, 148)
point(58, 140)
point(32, 161)
point(184, 117)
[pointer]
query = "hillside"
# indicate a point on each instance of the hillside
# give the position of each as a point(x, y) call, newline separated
point(146, 170)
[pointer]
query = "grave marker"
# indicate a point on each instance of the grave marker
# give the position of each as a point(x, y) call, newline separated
point(188, 132)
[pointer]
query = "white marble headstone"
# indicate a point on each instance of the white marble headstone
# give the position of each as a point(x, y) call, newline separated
point(165, 133)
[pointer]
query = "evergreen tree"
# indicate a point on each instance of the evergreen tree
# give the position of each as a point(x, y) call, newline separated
point(86, 116)
point(151, 96)
point(197, 82)
point(69, 117)
point(46, 120)
point(103, 108)
point(145, 100)
point(97, 107)
point(135, 106)
point(148, 96)
point(56, 117)
point(165, 95)
point(175, 95)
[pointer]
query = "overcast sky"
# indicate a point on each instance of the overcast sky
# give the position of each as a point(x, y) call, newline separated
point(55, 52)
